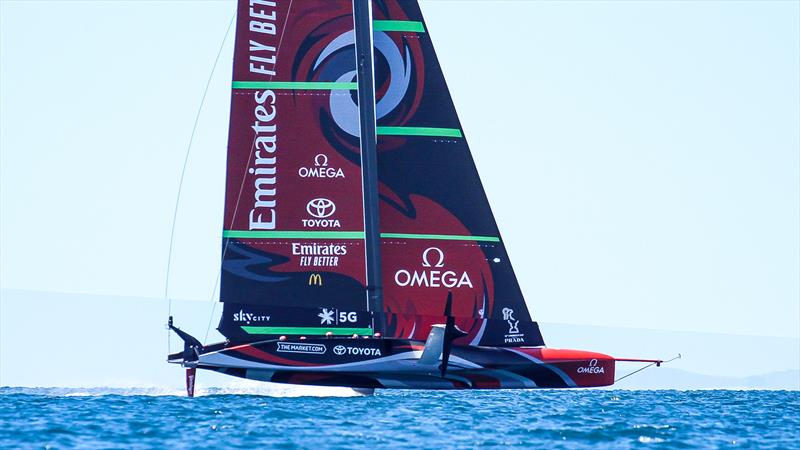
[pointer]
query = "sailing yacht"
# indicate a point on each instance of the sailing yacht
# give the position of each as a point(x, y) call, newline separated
point(359, 248)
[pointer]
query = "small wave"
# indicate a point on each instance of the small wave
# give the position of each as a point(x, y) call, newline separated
point(98, 391)
point(241, 388)
point(654, 427)
point(497, 419)
point(650, 440)
point(276, 390)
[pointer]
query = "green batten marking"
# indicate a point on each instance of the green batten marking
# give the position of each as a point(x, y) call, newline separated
point(398, 25)
point(308, 330)
point(442, 237)
point(293, 234)
point(299, 85)
point(420, 131)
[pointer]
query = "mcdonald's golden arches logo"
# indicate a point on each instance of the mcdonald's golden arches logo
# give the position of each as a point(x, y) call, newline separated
point(315, 279)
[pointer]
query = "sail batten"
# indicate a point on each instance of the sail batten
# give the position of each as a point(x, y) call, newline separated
point(296, 85)
point(441, 237)
point(311, 331)
point(293, 234)
point(409, 26)
point(349, 235)
point(420, 131)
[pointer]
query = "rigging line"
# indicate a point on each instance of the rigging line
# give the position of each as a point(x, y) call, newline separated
point(634, 372)
point(241, 189)
point(183, 172)
point(213, 305)
point(225, 247)
point(645, 367)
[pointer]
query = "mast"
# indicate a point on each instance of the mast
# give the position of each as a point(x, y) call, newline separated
point(362, 17)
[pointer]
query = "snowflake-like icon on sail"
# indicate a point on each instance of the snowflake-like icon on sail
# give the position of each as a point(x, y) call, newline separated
point(326, 316)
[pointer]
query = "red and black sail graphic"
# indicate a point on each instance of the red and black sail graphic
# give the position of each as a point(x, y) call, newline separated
point(293, 247)
point(438, 231)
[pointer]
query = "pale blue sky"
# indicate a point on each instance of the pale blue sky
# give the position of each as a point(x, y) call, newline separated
point(642, 158)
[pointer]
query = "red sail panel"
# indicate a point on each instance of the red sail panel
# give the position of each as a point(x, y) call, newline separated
point(293, 215)
point(293, 221)
point(438, 231)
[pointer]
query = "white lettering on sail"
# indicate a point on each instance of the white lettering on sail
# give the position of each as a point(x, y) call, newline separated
point(320, 169)
point(432, 257)
point(263, 20)
point(319, 255)
point(321, 209)
point(247, 317)
point(264, 165)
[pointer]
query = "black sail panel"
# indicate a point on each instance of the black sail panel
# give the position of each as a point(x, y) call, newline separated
point(438, 231)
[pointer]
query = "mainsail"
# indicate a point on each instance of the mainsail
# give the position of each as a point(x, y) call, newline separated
point(293, 255)
point(293, 259)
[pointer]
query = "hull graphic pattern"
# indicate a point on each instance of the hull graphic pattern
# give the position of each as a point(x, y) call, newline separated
point(396, 363)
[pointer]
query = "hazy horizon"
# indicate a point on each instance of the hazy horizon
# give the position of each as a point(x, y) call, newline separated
point(141, 361)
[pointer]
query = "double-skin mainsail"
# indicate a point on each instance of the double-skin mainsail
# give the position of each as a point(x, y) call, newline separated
point(294, 259)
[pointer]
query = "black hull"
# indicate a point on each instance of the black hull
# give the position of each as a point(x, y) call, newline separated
point(395, 364)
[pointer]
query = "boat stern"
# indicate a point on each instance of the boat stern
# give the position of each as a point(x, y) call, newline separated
point(578, 368)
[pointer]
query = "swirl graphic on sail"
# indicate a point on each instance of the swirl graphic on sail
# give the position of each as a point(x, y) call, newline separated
point(344, 109)
point(290, 220)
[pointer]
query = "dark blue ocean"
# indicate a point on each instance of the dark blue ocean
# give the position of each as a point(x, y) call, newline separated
point(596, 419)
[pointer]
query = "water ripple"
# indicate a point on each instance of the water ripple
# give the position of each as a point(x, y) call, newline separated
point(65, 418)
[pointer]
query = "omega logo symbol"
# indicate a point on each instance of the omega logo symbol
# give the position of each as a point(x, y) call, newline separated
point(426, 262)
point(434, 275)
